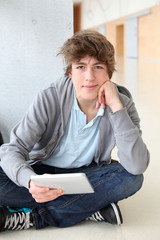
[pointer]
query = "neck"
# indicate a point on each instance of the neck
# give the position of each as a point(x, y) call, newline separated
point(88, 108)
point(86, 104)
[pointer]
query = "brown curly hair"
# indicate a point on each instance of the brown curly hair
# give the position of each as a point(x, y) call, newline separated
point(88, 42)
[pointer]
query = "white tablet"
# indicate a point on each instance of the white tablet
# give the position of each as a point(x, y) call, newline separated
point(71, 183)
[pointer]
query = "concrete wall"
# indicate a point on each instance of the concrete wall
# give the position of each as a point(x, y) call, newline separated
point(31, 32)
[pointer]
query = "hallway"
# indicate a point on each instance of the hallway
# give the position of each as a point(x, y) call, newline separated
point(141, 213)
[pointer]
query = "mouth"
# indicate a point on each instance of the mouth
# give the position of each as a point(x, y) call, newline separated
point(90, 87)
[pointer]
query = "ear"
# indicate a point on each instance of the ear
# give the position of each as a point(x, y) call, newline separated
point(70, 74)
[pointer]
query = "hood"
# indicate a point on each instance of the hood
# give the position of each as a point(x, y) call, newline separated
point(123, 90)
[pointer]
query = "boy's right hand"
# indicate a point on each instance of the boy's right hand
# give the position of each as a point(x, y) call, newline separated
point(44, 194)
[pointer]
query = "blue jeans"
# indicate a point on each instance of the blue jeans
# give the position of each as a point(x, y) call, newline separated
point(111, 183)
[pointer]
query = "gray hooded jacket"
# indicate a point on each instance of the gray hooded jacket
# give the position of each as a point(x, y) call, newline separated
point(37, 135)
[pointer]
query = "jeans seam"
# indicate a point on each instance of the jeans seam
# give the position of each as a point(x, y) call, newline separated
point(63, 205)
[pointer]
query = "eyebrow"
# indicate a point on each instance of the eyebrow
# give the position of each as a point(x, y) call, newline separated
point(82, 63)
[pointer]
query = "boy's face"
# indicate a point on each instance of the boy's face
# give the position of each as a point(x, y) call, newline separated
point(88, 75)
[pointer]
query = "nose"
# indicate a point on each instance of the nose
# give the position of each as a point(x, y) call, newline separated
point(90, 74)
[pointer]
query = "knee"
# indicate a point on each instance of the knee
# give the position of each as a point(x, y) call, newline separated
point(134, 183)
point(138, 181)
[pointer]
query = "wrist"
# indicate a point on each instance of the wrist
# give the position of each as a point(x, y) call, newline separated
point(116, 107)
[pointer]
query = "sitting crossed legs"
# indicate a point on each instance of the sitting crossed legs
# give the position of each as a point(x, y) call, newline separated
point(68, 210)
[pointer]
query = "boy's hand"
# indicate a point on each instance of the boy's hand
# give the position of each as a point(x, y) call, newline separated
point(43, 194)
point(107, 94)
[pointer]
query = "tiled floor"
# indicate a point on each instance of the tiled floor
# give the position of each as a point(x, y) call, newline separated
point(141, 213)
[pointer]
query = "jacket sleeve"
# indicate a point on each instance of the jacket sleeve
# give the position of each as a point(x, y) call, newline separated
point(132, 151)
point(24, 136)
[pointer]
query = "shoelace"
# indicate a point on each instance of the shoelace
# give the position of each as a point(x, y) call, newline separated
point(96, 217)
point(18, 221)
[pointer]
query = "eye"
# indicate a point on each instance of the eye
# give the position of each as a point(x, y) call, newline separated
point(80, 67)
point(99, 67)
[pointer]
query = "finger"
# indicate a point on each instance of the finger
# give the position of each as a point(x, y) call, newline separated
point(43, 199)
point(101, 99)
point(100, 95)
point(46, 193)
point(103, 102)
point(37, 189)
point(57, 191)
point(98, 104)
point(52, 195)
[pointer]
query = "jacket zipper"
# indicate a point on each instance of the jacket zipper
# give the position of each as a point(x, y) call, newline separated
point(110, 155)
point(45, 151)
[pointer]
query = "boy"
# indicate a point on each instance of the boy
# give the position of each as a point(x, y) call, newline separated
point(72, 126)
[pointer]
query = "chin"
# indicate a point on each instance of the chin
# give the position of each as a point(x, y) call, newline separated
point(90, 98)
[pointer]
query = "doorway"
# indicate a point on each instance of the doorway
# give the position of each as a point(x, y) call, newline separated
point(77, 17)
point(120, 40)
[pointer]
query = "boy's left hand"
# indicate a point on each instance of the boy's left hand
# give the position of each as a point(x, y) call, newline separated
point(108, 95)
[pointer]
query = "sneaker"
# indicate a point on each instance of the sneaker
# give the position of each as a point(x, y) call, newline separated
point(14, 220)
point(110, 214)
